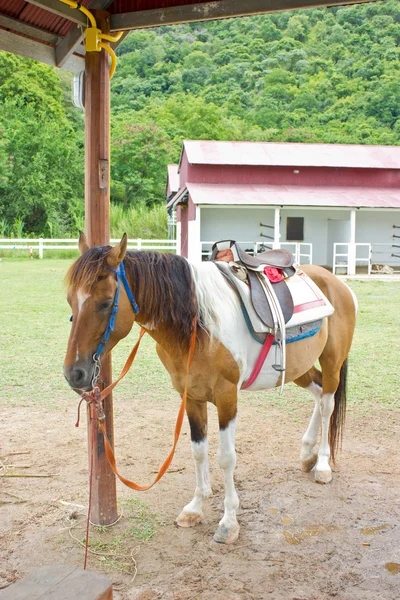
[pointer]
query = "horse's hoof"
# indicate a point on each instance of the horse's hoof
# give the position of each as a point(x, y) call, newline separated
point(189, 519)
point(323, 476)
point(309, 464)
point(223, 535)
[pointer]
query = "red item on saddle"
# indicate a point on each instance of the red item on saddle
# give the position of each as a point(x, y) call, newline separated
point(273, 274)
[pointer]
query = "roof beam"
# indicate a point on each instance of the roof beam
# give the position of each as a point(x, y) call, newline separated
point(26, 29)
point(208, 11)
point(69, 44)
point(11, 42)
point(72, 41)
point(62, 10)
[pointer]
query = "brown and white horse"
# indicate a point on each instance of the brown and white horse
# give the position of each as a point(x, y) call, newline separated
point(170, 293)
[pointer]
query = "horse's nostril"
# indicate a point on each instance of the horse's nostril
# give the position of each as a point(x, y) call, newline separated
point(78, 377)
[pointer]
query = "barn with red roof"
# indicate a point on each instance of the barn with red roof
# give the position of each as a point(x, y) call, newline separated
point(330, 204)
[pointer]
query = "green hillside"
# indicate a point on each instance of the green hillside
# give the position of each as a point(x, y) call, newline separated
point(324, 75)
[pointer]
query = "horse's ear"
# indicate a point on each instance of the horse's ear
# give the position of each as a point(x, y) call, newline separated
point(82, 244)
point(117, 254)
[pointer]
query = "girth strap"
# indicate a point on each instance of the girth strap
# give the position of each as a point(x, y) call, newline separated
point(260, 361)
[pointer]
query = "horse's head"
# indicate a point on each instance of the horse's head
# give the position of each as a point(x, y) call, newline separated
point(92, 287)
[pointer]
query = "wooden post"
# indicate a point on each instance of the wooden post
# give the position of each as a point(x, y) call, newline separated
point(97, 224)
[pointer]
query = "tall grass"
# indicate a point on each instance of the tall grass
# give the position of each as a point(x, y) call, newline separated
point(15, 230)
point(138, 222)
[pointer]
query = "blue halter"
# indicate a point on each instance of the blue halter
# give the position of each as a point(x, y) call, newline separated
point(121, 276)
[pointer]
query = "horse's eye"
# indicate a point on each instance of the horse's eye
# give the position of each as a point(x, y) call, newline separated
point(105, 305)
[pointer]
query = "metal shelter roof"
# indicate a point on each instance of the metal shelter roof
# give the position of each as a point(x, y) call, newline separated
point(285, 154)
point(52, 33)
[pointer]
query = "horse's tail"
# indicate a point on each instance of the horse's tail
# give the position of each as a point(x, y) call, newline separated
point(339, 414)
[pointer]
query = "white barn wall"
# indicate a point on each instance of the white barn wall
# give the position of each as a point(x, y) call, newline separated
point(321, 228)
point(241, 224)
point(376, 227)
point(315, 230)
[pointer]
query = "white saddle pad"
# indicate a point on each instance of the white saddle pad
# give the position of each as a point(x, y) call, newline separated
point(310, 304)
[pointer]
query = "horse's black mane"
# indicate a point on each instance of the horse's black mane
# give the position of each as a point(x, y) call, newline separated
point(164, 283)
point(161, 283)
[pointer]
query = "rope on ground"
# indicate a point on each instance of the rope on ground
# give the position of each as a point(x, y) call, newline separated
point(71, 523)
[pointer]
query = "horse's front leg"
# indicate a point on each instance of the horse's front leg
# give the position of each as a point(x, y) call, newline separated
point(192, 513)
point(308, 455)
point(228, 528)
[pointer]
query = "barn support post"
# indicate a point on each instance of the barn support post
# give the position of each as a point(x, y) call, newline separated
point(97, 224)
point(351, 270)
point(277, 227)
point(178, 235)
point(194, 234)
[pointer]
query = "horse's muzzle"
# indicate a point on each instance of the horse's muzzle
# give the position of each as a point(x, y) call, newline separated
point(79, 376)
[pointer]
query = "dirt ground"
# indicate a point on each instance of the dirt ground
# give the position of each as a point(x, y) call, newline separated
point(298, 540)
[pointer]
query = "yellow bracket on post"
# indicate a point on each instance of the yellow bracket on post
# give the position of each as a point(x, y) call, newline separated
point(93, 39)
point(94, 35)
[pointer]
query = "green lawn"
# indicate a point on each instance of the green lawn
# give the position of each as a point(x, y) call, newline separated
point(35, 327)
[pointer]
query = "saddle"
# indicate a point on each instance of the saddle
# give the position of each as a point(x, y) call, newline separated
point(255, 265)
point(271, 301)
point(280, 259)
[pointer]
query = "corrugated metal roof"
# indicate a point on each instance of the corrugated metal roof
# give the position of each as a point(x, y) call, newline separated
point(284, 195)
point(12, 8)
point(293, 155)
point(44, 19)
point(39, 17)
point(125, 6)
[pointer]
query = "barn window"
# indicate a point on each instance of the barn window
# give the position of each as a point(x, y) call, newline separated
point(295, 229)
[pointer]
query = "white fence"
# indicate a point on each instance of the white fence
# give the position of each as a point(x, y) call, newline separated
point(302, 251)
point(43, 244)
point(250, 247)
point(341, 256)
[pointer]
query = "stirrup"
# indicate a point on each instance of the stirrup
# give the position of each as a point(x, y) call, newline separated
point(279, 365)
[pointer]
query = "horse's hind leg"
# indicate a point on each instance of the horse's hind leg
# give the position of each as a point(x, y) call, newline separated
point(226, 401)
point(323, 471)
point(333, 410)
point(327, 403)
point(192, 513)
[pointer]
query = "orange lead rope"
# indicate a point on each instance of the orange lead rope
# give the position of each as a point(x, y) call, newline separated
point(179, 420)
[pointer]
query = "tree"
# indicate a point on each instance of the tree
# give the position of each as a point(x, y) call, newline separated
point(40, 154)
point(139, 156)
point(45, 180)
